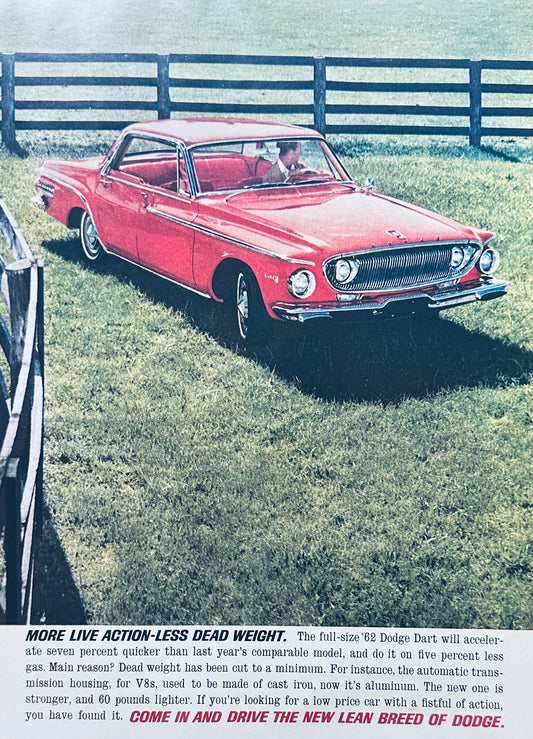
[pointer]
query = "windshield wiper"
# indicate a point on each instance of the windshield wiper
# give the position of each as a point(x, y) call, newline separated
point(261, 185)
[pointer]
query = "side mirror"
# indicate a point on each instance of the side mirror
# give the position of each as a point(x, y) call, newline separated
point(370, 184)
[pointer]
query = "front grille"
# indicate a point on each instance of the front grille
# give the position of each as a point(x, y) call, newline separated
point(405, 267)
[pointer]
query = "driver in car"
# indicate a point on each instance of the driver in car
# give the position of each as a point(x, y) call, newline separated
point(289, 154)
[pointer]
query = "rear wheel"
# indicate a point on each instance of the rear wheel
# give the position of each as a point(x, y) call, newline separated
point(91, 245)
point(251, 320)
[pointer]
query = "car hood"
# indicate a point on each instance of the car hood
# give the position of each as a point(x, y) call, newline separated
point(343, 219)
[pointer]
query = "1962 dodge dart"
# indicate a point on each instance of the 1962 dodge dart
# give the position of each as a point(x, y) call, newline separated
point(264, 216)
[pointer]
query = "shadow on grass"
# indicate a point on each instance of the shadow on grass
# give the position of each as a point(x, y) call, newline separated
point(56, 599)
point(373, 361)
point(390, 361)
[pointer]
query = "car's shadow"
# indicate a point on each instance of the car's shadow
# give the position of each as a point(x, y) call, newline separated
point(375, 361)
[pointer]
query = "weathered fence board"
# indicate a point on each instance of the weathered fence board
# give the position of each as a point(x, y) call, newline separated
point(164, 93)
point(21, 437)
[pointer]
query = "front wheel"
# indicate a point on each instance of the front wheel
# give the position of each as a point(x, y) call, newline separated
point(91, 245)
point(251, 319)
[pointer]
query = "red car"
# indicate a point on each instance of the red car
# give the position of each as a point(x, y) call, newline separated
point(265, 217)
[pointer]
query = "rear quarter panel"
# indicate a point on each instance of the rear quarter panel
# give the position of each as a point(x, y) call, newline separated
point(74, 184)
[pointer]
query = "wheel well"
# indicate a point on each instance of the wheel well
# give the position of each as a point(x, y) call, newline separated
point(224, 277)
point(74, 217)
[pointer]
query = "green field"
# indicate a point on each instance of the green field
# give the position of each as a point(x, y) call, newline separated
point(478, 29)
point(377, 475)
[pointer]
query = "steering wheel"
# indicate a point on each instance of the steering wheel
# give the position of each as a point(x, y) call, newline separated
point(301, 175)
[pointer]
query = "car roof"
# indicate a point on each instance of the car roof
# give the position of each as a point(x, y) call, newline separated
point(193, 131)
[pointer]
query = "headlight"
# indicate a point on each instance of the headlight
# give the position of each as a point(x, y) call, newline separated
point(457, 257)
point(489, 261)
point(346, 270)
point(461, 256)
point(301, 284)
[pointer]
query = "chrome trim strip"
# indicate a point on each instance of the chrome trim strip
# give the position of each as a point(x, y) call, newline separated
point(224, 237)
point(484, 291)
point(73, 189)
point(162, 276)
point(408, 245)
point(45, 188)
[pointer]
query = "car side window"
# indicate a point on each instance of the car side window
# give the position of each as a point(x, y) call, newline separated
point(155, 163)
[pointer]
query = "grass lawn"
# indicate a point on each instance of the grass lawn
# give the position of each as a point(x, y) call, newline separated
point(378, 475)
point(477, 29)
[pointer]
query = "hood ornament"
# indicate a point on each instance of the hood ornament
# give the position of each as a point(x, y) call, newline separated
point(397, 234)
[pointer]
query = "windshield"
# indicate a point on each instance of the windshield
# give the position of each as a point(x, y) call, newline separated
point(257, 164)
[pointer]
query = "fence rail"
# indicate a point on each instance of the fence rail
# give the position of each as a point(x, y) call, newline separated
point(21, 422)
point(312, 80)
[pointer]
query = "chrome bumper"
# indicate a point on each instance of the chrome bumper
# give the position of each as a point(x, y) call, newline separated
point(397, 305)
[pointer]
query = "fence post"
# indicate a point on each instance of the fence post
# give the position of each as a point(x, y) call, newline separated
point(18, 280)
point(319, 63)
point(163, 86)
point(12, 543)
point(475, 68)
point(8, 101)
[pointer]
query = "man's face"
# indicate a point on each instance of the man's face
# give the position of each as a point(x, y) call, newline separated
point(292, 156)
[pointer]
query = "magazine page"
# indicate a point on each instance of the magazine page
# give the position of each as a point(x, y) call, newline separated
point(266, 364)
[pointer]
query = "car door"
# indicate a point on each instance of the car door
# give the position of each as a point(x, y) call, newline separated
point(165, 236)
point(116, 205)
point(118, 200)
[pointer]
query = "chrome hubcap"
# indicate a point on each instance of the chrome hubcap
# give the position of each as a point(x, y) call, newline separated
point(92, 243)
point(242, 306)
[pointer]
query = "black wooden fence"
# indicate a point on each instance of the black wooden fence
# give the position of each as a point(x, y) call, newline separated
point(21, 422)
point(444, 97)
